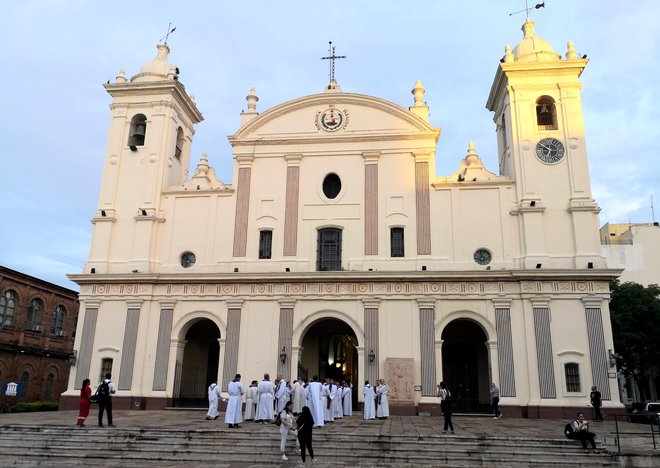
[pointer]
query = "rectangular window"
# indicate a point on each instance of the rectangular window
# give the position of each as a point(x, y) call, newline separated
point(106, 368)
point(328, 250)
point(396, 242)
point(265, 244)
point(572, 372)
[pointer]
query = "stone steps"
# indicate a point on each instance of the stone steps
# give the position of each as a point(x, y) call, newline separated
point(34, 446)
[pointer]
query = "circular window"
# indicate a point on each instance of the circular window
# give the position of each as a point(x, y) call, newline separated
point(331, 186)
point(482, 257)
point(188, 259)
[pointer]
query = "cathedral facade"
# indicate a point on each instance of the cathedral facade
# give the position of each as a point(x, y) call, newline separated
point(337, 251)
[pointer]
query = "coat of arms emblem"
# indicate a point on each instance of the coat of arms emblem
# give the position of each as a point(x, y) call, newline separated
point(331, 119)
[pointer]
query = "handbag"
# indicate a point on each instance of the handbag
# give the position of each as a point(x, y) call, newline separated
point(94, 398)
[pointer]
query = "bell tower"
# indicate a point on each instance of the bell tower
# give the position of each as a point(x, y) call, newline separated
point(537, 108)
point(148, 150)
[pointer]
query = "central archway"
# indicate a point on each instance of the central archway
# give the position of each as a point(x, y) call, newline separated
point(198, 367)
point(465, 366)
point(330, 351)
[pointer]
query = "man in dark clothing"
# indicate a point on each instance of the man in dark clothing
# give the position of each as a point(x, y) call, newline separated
point(105, 392)
point(596, 403)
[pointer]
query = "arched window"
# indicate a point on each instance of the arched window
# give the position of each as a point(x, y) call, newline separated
point(546, 113)
point(7, 308)
point(57, 322)
point(572, 373)
point(48, 392)
point(138, 131)
point(35, 309)
point(328, 252)
point(179, 143)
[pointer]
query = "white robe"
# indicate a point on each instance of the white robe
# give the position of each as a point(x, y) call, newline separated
point(383, 410)
point(265, 406)
point(281, 395)
point(369, 403)
point(337, 403)
point(314, 402)
point(346, 396)
point(298, 397)
point(327, 397)
point(214, 394)
point(251, 398)
point(234, 413)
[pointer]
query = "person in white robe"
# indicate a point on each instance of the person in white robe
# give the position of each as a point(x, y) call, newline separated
point(234, 412)
point(328, 394)
point(383, 391)
point(266, 391)
point(251, 398)
point(347, 399)
point(214, 396)
point(281, 395)
point(314, 401)
point(298, 392)
point(369, 411)
point(337, 403)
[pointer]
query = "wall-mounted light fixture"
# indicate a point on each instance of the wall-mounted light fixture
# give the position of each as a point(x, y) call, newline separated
point(590, 265)
point(539, 265)
point(371, 356)
point(532, 203)
point(144, 212)
point(612, 357)
point(73, 358)
point(283, 354)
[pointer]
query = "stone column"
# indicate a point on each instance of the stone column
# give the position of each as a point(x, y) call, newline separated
point(130, 341)
point(597, 351)
point(371, 338)
point(505, 357)
point(423, 203)
point(427, 342)
point(284, 342)
point(291, 204)
point(544, 354)
point(86, 341)
point(161, 363)
point(232, 340)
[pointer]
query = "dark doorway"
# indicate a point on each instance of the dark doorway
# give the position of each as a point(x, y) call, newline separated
point(465, 366)
point(330, 351)
point(199, 367)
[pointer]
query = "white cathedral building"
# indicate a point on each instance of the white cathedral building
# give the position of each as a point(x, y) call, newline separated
point(337, 251)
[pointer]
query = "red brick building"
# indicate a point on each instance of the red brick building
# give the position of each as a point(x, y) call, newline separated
point(37, 331)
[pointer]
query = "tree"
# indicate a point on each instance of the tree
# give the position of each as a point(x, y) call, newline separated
point(635, 313)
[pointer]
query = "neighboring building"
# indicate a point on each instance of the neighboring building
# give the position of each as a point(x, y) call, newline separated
point(635, 248)
point(37, 330)
point(337, 251)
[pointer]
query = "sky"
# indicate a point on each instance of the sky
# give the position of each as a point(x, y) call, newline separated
point(57, 54)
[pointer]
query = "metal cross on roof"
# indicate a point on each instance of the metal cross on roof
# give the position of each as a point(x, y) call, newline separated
point(170, 30)
point(332, 57)
point(528, 8)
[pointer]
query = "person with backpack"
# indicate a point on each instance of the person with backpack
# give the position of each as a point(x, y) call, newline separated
point(104, 393)
point(581, 432)
point(445, 405)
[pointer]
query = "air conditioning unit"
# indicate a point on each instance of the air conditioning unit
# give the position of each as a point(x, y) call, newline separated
point(60, 333)
point(37, 328)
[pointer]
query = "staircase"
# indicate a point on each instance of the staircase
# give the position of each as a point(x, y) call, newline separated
point(258, 445)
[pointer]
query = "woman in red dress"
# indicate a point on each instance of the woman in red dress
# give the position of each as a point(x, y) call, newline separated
point(85, 393)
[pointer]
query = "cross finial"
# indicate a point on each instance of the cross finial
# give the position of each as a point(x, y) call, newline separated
point(170, 30)
point(332, 57)
point(527, 9)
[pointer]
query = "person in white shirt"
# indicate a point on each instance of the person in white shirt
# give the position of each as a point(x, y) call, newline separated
point(265, 390)
point(328, 394)
point(369, 411)
point(287, 427)
point(445, 405)
point(105, 391)
point(581, 432)
point(234, 412)
point(337, 403)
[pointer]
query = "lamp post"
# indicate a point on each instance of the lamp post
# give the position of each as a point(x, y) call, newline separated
point(372, 356)
point(283, 354)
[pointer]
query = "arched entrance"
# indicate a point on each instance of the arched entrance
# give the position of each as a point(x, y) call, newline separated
point(465, 366)
point(199, 365)
point(330, 351)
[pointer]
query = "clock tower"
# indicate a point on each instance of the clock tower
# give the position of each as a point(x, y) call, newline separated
point(541, 146)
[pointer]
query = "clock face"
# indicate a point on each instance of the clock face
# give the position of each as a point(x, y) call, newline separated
point(188, 259)
point(550, 150)
point(482, 257)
